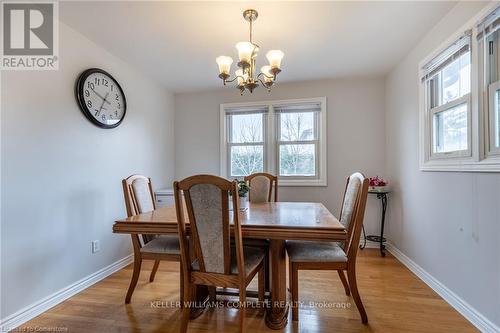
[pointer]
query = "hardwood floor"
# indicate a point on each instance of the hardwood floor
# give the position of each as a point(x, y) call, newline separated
point(395, 300)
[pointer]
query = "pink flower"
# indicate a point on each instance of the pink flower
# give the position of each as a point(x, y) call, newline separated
point(377, 181)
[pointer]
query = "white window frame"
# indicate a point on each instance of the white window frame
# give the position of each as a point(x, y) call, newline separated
point(487, 89)
point(443, 108)
point(271, 141)
point(427, 126)
point(493, 150)
point(479, 159)
point(243, 144)
point(315, 142)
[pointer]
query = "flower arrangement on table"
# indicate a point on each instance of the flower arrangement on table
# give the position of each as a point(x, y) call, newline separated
point(243, 189)
point(378, 184)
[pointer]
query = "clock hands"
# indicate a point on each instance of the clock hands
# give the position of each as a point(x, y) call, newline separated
point(103, 98)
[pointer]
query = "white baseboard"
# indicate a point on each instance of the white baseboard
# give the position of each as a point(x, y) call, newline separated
point(37, 308)
point(465, 309)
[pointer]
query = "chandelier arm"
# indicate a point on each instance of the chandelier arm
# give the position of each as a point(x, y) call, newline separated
point(233, 79)
point(269, 77)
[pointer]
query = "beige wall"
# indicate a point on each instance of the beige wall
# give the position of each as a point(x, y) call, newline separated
point(446, 222)
point(356, 138)
point(61, 175)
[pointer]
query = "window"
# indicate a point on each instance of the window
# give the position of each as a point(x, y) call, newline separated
point(447, 80)
point(460, 99)
point(287, 138)
point(246, 133)
point(298, 140)
point(489, 53)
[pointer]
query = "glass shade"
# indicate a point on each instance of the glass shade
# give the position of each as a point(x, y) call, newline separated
point(224, 64)
point(246, 50)
point(242, 77)
point(268, 76)
point(274, 57)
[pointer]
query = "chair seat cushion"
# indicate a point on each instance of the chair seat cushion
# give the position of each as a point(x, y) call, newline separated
point(166, 244)
point(316, 251)
point(253, 256)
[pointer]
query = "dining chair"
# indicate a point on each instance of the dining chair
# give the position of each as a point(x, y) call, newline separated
point(211, 260)
point(306, 255)
point(140, 198)
point(262, 186)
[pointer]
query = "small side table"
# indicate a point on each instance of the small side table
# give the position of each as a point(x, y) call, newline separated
point(382, 195)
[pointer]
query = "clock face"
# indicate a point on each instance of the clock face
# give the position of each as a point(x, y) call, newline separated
point(101, 98)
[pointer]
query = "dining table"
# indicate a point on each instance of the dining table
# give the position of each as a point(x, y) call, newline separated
point(273, 221)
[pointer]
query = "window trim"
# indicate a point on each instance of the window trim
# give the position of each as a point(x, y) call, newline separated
point(492, 149)
point(466, 99)
point(271, 140)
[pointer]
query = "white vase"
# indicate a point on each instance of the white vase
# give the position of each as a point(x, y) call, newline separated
point(243, 202)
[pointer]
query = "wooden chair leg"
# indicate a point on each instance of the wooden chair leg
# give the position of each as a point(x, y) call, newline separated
point(135, 278)
point(181, 284)
point(242, 309)
point(351, 275)
point(344, 282)
point(262, 287)
point(266, 272)
point(186, 310)
point(294, 289)
point(153, 272)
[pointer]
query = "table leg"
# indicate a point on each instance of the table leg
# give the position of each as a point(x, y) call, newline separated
point(277, 313)
point(383, 199)
point(362, 246)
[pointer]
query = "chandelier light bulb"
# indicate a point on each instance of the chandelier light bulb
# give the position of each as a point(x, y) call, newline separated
point(224, 64)
point(274, 57)
point(246, 51)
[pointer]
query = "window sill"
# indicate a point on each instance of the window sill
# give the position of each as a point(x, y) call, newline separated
point(487, 165)
point(302, 182)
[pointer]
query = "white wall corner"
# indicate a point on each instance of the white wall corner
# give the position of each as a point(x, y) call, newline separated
point(31, 311)
point(465, 309)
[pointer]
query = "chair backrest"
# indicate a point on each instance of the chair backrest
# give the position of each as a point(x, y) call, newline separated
point(139, 197)
point(207, 203)
point(353, 211)
point(261, 187)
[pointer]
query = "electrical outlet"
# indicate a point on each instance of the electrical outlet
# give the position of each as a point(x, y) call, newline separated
point(96, 246)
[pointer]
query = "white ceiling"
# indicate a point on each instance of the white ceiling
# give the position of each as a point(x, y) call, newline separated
point(177, 42)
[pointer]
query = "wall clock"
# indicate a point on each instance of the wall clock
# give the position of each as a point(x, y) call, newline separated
point(100, 98)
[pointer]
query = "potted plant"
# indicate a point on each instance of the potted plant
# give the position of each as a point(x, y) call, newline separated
point(378, 184)
point(243, 189)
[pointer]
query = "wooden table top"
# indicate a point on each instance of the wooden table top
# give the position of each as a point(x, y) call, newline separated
point(274, 220)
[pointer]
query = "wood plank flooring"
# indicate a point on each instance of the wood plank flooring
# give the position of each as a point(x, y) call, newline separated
point(395, 300)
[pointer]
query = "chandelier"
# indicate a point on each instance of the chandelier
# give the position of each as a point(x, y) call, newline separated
point(246, 75)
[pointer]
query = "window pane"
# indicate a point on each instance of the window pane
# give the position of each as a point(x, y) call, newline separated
point(497, 118)
point(492, 57)
point(456, 79)
point(247, 128)
point(246, 160)
point(297, 160)
point(450, 129)
point(297, 126)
